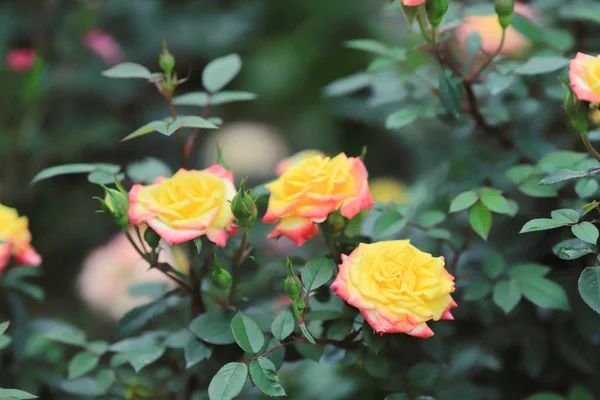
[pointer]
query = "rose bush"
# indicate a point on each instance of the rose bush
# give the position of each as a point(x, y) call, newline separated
point(328, 280)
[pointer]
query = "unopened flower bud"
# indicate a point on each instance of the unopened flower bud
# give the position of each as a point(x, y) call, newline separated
point(116, 204)
point(436, 9)
point(504, 10)
point(575, 109)
point(243, 207)
point(291, 284)
point(219, 275)
point(166, 60)
point(336, 223)
point(151, 237)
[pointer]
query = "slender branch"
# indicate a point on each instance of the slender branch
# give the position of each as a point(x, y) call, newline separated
point(180, 141)
point(458, 253)
point(189, 146)
point(344, 343)
point(237, 262)
point(589, 146)
point(491, 57)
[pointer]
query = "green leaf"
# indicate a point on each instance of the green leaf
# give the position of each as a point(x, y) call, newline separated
point(138, 317)
point(589, 287)
point(423, 374)
point(368, 45)
point(83, 363)
point(586, 187)
point(449, 94)
point(192, 121)
point(104, 380)
point(264, 376)
point(586, 232)
point(148, 170)
point(544, 293)
point(528, 271)
point(579, 392)
point(480, 219)
point(565, 216)
point(493, 265)
point(247, 333)
point(439, 234)
point(527, 28)
point(80, 387)
point(4, 327)
point(219, 72)
point(128, 70)
point(316, 273)
point(463, 201)
point(228, 382)
point(473, 43)
point(545, 396)
point(201, 99)
point(561, 159)
point(5, 341)
point(63, 333)
point(306, 333)
point(388, 224)
point(283, 325)
point(531, 187)
point(68, 169)
point(98, 347)
point(402, 118)
point(195, 351)
point(497, 83)
point(541, 224)
point(520, 173)
point(375, 365)
point(158, 126)
point(572, 249)
point(144, 357)
point(507, 294)
point(562, 175)
point(494, 201)
point(178, 339)
point(213, 327)
point(513, 208)
point(374, 341)
point(432, 218)
point(14, 394)
point(477, 290)
point(542, 65)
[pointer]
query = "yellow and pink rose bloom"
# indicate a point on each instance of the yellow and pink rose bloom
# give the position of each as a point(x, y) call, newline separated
point(15, 239)
point(308, 191)
point(396, 287)
point(584, 75)
point(187, 206)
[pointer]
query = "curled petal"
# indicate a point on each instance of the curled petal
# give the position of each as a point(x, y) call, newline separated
point(297, 229)
point(4, 255)
point(578, 78)
point(174, 236)
point(221, 172)
point(218, 236)
point(28, 256)
point(364, 199)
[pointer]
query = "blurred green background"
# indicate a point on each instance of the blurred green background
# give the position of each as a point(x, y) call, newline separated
point(64, 111)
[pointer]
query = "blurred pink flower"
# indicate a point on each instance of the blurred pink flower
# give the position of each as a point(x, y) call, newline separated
point(104, 46)
point(110, 270)
point(20, 60)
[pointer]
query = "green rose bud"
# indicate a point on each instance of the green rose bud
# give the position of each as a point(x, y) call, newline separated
point(436, 9)
point(504, 10)
point(166, 60)
point(243, 207)
point(151, 237)
point(336, 223)
point(575, 109)
point(116, 204)
point(291, 284)
point(220, 276)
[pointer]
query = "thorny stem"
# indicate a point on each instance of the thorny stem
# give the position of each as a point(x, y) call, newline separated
point(236, 263)
point(344, 343)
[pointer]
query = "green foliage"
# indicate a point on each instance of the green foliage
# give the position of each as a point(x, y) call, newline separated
point(228, 382)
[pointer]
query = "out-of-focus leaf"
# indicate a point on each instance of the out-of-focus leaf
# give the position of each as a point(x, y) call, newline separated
point(128, 70)
point(67, 169)
point(219, 72)
point(589, 287)
point(542, 65)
